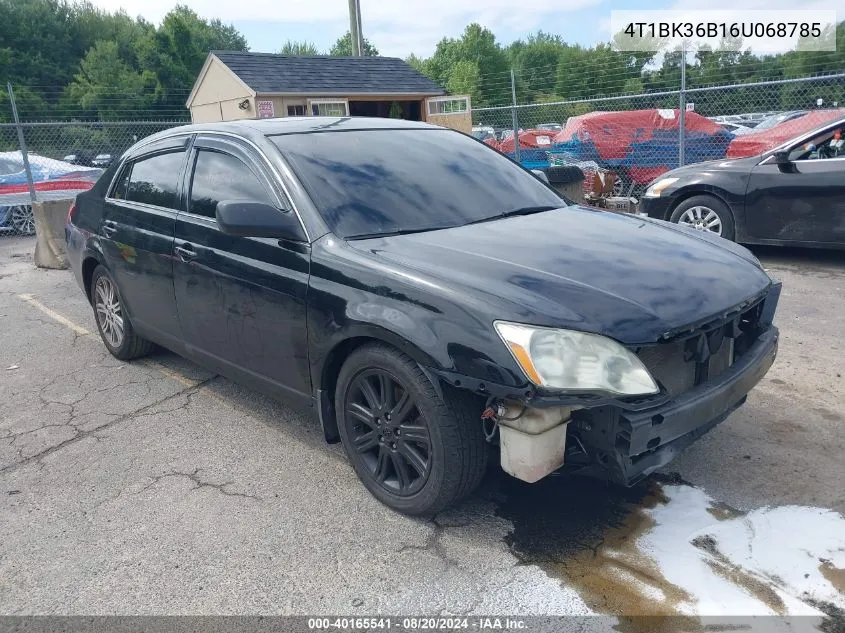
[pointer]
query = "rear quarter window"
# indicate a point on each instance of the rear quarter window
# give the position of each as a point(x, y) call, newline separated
point(152, 180)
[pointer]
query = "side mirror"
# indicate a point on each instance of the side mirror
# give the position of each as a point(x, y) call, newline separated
point(248, 218)
point(541, 175)
point(781, 157)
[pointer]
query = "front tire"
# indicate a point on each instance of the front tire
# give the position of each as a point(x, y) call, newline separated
point(413, 450)
point(115, 328)
point(705, 213)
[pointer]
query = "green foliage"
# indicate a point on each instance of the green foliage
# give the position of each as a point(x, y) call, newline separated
point(299, 48)
point(110, 87)
point(71, 59)
point(477, 46)
point(463, 78)
point(68, 59)
point(343, 47)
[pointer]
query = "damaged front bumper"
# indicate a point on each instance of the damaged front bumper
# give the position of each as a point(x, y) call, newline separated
point(625, 439)
point(627, 445)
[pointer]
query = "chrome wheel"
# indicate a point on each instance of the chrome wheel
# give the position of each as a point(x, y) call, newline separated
point(109, 314)
point(702, 218)
point(22, 220)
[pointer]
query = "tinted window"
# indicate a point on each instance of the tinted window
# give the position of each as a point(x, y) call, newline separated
point(380, 181)
point(154, 180)
point(122, 183)
point(827, 145)
point(222, 177)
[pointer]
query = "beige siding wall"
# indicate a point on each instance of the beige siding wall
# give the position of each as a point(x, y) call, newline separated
point(461, 121)
point(231, 111)
point(207, 113)
point(219, 84)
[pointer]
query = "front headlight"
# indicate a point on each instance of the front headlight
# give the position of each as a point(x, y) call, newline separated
point(657, 188)
point(575, 361)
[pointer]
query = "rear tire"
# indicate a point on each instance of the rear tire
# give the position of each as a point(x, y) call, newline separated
point(114, 326)
point(706, 213)
point(442, 437)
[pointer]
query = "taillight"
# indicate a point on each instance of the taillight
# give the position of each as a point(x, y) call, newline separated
point(70, 212)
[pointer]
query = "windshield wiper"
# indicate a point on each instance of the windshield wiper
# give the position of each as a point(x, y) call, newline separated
point(367, 236)
point(514, 212)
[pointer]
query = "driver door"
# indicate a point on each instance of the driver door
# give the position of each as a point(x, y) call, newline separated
point(803, 201)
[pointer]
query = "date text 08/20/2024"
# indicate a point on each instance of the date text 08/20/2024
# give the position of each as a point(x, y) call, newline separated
point(416, 623)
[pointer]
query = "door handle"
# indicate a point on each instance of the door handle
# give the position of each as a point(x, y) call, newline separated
point(109, 228)
point(185, 253)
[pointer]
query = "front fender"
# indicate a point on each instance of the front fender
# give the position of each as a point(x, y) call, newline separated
point(350, 299)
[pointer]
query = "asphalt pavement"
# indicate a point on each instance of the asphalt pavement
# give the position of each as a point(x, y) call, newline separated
point(155, 487)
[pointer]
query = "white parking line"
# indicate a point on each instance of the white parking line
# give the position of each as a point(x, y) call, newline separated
point(54, 315)
point(81, 331)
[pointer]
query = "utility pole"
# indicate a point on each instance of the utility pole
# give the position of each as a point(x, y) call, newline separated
point(514, 119)
point(360, 30)
point(355, 28)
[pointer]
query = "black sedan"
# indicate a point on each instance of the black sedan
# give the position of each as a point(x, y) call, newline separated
point(791, 195)
point(433, 301)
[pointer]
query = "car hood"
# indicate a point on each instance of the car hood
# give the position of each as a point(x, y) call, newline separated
point(623, 276)
point(713, 166)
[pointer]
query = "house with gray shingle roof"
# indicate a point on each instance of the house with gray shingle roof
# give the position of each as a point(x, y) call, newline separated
point(238, 85)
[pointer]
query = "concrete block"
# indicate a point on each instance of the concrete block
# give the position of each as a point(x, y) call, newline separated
point(50, 218)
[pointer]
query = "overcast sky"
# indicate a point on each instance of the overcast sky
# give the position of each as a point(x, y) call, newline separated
point(399, 27)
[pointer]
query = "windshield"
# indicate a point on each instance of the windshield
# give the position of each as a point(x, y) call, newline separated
point(388, 181)
point(772, 121)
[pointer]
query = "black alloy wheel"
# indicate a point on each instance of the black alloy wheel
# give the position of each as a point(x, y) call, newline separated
point(416, 447)
point(387, 432)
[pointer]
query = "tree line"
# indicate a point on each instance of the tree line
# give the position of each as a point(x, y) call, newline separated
point(72, 60)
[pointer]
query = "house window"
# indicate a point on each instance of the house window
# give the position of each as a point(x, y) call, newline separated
point(296, 110)
point(448, 105)
point(328, 107)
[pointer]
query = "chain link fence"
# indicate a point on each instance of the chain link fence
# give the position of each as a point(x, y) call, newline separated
point(637, 137)
point(620, 141)
point(49, 160)
point(63, 159)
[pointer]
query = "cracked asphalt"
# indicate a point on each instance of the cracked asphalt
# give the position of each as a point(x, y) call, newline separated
point(155, 487)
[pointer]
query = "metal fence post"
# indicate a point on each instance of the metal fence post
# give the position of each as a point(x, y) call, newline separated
point(515, 120)
point(682, 114)
point(22, 143)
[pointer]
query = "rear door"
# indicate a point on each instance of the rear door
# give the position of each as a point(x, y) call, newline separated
point(803, 201)
point(241, 300)
point(136, 232)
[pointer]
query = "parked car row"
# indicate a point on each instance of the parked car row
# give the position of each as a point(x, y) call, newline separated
point(640, 145)
point(89, 159)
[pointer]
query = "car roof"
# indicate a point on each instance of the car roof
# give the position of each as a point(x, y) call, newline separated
point(253, 129)
point(301, 125)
